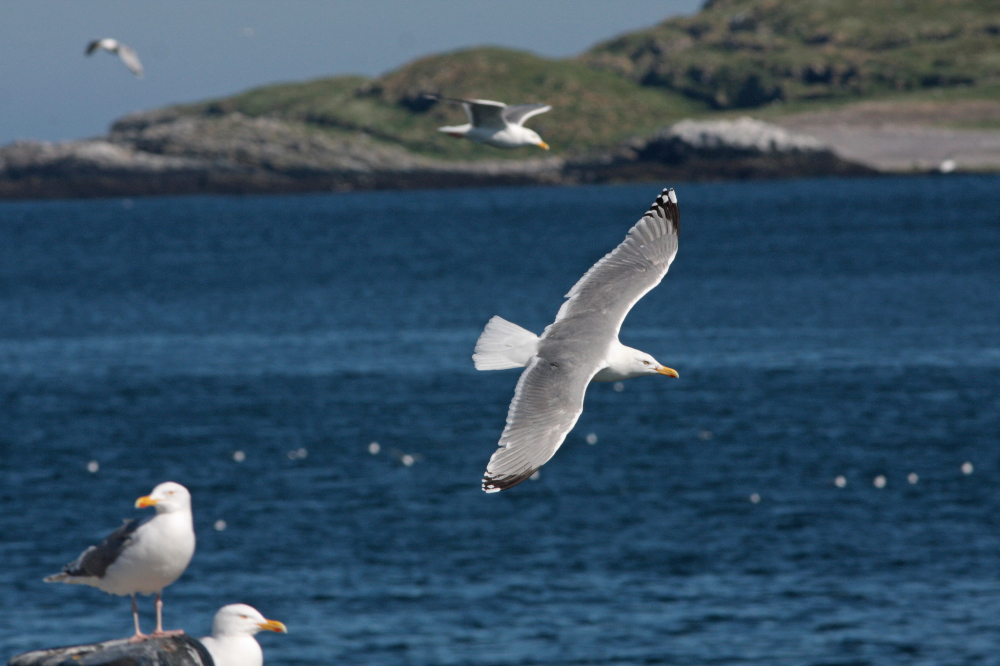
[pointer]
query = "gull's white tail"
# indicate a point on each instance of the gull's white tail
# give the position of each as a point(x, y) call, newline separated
point(504, 345)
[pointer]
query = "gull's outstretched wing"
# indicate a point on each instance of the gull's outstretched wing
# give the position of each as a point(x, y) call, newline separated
point(485, 113)
point(547, 402)
point(516, 115)
point(130, 58)
point(481, 112)
point(614, 284)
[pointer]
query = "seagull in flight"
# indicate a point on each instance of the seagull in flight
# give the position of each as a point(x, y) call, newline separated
point(127, 55)
point(495, 123)
point(579, 347)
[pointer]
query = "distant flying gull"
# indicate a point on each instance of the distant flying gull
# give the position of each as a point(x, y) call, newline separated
point(495, 123)
point(127, 55)
point(141, 556)
point(232, 642)
point(579, 347)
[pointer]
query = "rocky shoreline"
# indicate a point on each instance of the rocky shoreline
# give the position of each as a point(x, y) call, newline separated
point(158, 153)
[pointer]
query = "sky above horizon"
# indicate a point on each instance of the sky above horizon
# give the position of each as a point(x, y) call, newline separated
point(194, 50)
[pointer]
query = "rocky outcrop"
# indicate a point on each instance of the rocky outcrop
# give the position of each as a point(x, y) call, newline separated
point(717, 149)
point(168, 152)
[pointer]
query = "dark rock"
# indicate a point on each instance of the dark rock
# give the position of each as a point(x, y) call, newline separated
point(167, 651)
point(714, 150)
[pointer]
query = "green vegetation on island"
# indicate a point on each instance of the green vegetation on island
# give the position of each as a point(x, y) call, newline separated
point(746, 53)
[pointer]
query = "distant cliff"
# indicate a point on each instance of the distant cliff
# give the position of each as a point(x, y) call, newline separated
point(165, 153)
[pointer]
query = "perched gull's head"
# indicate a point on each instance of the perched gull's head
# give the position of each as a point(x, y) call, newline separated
point(167, 498)
point(242, 620)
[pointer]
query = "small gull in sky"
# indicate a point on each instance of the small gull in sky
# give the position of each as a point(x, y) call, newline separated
point(580, 346)
point(140, 556)
point(232, 642)
point(495, 123)
point(127, 55)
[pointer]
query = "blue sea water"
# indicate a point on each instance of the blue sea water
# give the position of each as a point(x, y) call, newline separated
point(821, 328)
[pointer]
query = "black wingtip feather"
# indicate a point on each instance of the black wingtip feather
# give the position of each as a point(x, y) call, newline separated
point(493, 484)
point(666, 205)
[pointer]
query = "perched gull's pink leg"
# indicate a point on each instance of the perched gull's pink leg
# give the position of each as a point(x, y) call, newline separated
point(139, 636)
point(159, 621)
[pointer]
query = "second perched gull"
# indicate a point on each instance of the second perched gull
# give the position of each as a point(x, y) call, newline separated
point(127, 55)
point(496, 124)
point(232, 642)
point(579, 347)
point(140, 556)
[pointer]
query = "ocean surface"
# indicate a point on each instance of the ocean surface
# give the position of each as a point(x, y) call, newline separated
point(821, 328)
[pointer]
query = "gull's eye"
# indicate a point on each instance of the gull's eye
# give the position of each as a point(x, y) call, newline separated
point(245, 617)
point(170, 492)
point(645, 362)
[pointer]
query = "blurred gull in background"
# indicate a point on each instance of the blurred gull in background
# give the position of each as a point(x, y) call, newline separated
point(127, 55)
point(495, 123)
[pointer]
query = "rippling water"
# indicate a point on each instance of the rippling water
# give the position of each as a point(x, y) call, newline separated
point(821, 328)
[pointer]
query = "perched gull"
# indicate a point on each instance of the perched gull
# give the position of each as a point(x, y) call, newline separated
point(496, 124)
point(127, 55)
point(232, 642)
point(579, 347)
point(140, 556)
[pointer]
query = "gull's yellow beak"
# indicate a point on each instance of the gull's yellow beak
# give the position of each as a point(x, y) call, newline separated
point(669, 372)
point(542, 144)
point(273, 625)
point(143, 502)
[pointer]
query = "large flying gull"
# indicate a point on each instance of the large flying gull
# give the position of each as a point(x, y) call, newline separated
point(127, 55)
point(140, 556)
point(579, 347)
point(495, 123)
point(232, 642)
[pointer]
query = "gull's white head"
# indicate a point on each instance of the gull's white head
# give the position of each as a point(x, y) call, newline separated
point(643, 364)
point(167, 498)
point(531, 137)
point(242, 620)
point(628, 362)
